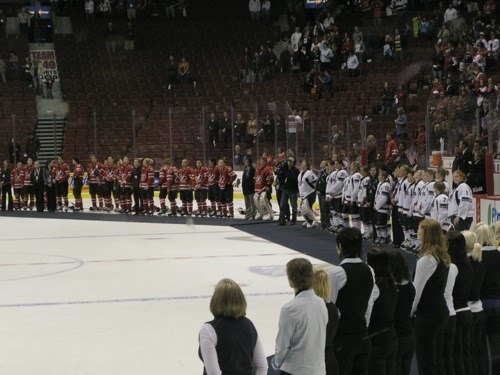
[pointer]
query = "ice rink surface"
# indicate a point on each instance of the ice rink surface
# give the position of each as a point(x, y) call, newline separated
point(93, 297)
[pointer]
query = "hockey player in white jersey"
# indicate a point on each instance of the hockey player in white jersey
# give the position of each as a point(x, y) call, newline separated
point(337, 190)
point(427, 193)
point(351, 194)
point(406, 204)
point(366, 196)
point(382, 208)
point(414, 213)
point(439, 209)
point(441, 175)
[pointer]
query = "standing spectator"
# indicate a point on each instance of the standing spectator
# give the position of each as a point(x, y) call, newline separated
point(265, 11)
point(14, 64)
point(131, 11)
point(89, 9)
point(239, 128)
point(387, 99)
point(450, 14)
point(230, 343)
point(225, 129)
point(129, 44)
point(352, 64)
point(6, 185)
point(171, 72)
point(23, 20)
point(288, 178)
point(326, 56)
point(28, 69)
point(398, 46)
point(248, 187)
point(110, 38)
point(359, 48)
point(14, 151)
point(391, 149)
point(302, 325)
point(169, 8)
point(213, 130)
point(401, 125)
point(49, 83)
point(254, 7)
point(353, 292)
point(183, 70)
point(429, 307)
point(251, 130)
point(238, 157)
point(296, 39)
point(3, 70)
point(378, 12)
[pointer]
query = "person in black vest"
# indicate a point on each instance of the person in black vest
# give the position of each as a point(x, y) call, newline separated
point(50, 186)
point(429, 307)
point(136, 182)
point(229, 344)
point(402, 317)
point(353, 292)
point(248, 187)
point(474, 252)
point(321, 286)
point(490, 291)
point(38, 185)
point(288, 177)
point(324, 206)
point(6, 186)
point(461, 292)
point(382, 332)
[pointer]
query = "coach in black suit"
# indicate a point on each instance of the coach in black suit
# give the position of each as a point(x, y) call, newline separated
point(38, 185)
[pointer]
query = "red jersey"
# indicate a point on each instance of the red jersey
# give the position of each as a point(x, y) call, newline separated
point(201, 178)
point(109, 172)
point(163, 177)
point(54, 171)
point(17, 178)
point(94, 172)
point(226, 177)
point(213, 175)
point(172, 174)
point(391, 151)
point(27, 174)
point(78, 172)
point(127, 176)
point(263, 178)
point(144, 178)
point(150, 171)
point(186, 178)
point(62, 174)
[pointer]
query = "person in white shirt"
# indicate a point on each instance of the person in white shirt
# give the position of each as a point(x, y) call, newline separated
point(450, 14)
point(307, 194)
point(230, 341)
point(254, 8)
point(302, 325)
point(326, 56)
point(296, 39)
point(328, 22)
point(352, 65)
point(89, 9)
point(265, 11)
point(461, 208)
point(493, 45)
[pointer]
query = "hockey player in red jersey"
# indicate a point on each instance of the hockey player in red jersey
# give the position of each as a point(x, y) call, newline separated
point(126, 185)
point(118, 193)
point(172, 187)
point(94, 171)
point(200, 188)
point(62, 178)
point(263, 183)
point(226, 179)
point(77, 184)
point(17, 182)
point(163, 180)
point(213, 186)
point(147, 186)
point(109, 181)
point(28, 191)
point(186, 185)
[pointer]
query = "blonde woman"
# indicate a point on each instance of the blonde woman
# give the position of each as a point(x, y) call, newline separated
point(230, 343)
point(474, 252)
point(322, 288)
point(490, 291)
point(429, 307)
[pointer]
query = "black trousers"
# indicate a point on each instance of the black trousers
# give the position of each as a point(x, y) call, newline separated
point(448, 356)
point(137, 200)
point(492, 325)
point(397, 227)
point(478, 350)
point(429, 336)
point(7, 192)
point(383, 354)
point(406, 349)
point(461, 346)
point(51, 198)
point(353, 353)
point(39, 190)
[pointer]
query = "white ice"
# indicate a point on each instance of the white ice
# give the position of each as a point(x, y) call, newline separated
point(91, 297)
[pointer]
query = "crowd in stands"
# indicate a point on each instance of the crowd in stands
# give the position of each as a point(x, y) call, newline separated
point(373, 317)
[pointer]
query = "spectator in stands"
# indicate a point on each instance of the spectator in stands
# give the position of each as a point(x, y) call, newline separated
point(40, 73)
point(326, 85)
point(359, 48)
point(27, 69)
point(378, 12)
point(14, 150)
point(387, 100)
point(23, 20)
point(371, 150)
point(246, 65)
point(328, 22)
point(171, 72)
point(458, 28)
point(2, 21)
point(251, 130)
point(265, 11)
point(238, 157)
point(391, 149)
point(239, 128)
point(169, 8)
point(254, 7)
point(110, 38)
point(476, 178)
point(183, 70)
point(401, 125)
point(89, 9)
point(129, 43)
point(49, 84)
point(6, 185)
point(14, 64)
point(131, 9)
point(352, 65)
point(105, 8)
point(213, 129)
point(296, 39)
point(398, 46)
point(435, 137)
point(336, 136)
point(450, 14)
point(3, 70)
point(388, 48)
point(357, 34)
point(326, 55)
point(33, 147)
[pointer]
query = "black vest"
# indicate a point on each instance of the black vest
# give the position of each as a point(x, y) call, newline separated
point(477, 282)
point(402, 318)
point(236, 339)
point(463, 283)
point(352, 300)
point(382, 319)
point(432, 303)
point(491, 283)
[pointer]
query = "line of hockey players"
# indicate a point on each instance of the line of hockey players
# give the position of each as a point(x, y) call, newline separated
point(369, 196)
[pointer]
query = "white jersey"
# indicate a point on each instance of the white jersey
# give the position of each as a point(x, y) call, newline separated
point(402, 194)
point(383, 197)
point(427, 195)
point(330, 180)
point(407, 197)
point(307, 183)
point(461, 202)
point(439, 211)
point(447, 188)
point(416, 199)
point(347, 181)
point(338, 185)
point(352, 188)
point(363, 190)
